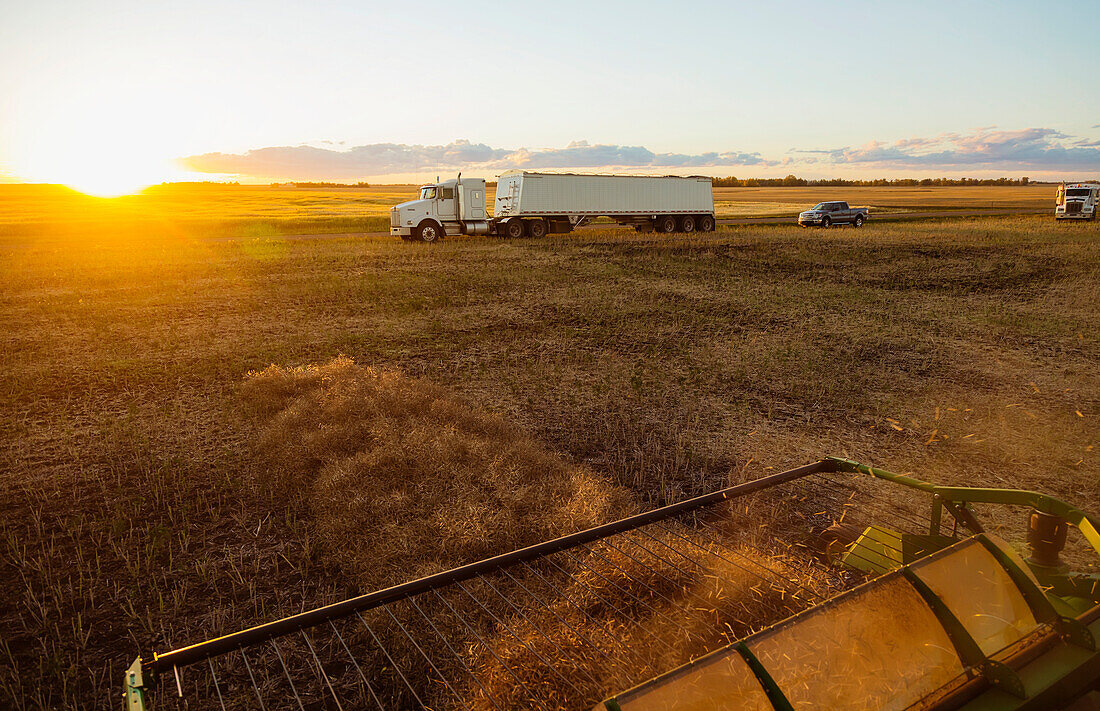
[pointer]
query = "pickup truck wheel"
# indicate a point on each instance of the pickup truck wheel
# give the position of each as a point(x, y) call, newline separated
point(705, 224)
point(666, 224)
point(429, 232)
point(858, 222)
point(536, 228)
point(826, 222)
point(514, 228)
point(687, 223)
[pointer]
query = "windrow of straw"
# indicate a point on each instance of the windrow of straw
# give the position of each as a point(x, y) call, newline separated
point(403, 479)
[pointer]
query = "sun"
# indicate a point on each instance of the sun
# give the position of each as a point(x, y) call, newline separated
point(98, 175)
point(96, 158)
point(107, 186)
point(106, 182)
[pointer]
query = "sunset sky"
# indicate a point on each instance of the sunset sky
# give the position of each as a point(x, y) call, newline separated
point(112, 95)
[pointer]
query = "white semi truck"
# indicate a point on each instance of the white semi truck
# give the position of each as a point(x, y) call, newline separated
point(533, 204)
point(1077, 201)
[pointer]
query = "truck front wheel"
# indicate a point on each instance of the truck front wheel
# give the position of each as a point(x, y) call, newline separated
point(429, 232)
point(666, 224)
point(536, 228)
point(705, 224)
point(858, 222)
point(826, 222)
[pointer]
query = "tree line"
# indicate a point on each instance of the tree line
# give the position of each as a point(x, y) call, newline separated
point(321, 185)
point(792, 181)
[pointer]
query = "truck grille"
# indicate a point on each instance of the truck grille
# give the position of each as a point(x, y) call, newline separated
point(395, 218)
point(1073, 208)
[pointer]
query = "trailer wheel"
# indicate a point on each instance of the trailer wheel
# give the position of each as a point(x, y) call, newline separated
point(514, 228)
point(536, 228)
point(858, 222)
point(687, 223)
point(705, 224)
point(429, 232)
point(665, 224)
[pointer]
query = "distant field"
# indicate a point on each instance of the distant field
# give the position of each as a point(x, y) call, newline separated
point(261, 210)
point(210, 210)
point(46, 203)
point(965, 350)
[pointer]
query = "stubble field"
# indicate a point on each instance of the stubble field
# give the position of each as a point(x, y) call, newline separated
point(214, 210)
point(138, 511)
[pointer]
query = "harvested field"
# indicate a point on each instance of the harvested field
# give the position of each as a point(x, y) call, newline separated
point(212, 210)
point(140, 510)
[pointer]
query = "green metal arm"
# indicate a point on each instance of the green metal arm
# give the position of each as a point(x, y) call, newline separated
point(1087, 524)
point(775, 695)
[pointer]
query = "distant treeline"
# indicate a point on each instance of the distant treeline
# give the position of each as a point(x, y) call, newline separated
point(199, 183)
point(792, 181)
point(321, 185)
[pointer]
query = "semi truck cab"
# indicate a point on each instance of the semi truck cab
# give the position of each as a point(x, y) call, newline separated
point(455, 206)
point(1077, 201)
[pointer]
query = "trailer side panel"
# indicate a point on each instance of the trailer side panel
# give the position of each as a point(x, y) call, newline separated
point(534, 194)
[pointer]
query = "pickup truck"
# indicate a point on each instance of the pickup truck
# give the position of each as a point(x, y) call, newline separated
point(827, 214)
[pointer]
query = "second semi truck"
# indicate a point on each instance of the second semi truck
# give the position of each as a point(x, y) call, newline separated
point(532, 204)
point(1077, 201)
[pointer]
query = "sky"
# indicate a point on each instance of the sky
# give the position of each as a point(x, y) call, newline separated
point(113, 95)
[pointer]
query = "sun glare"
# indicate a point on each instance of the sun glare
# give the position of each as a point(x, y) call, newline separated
point(106, 184)
point(100, 176)
point(95, 156)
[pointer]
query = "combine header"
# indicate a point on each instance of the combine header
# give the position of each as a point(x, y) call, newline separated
point(831, 586)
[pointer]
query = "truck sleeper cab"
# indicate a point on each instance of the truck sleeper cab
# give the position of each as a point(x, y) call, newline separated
point(451, 207)
point(534, 204)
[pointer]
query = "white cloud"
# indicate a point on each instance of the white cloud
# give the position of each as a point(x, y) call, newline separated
point(982, 149)
point(316, 163)
point(313, 163)
point(1039, 148)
